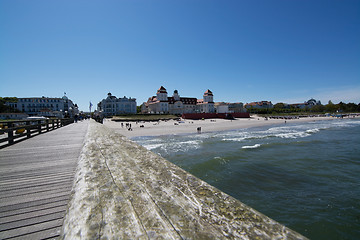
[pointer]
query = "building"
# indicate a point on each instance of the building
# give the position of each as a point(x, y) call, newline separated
point(259, 105)
point(116, 106)
point(175, 104)
point(206, 105)
point(223, 107)
point(45, 106)
point(13, 116)
point(308, 104)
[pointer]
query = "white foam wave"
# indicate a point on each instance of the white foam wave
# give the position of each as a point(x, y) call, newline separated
point(152, 146)
point(293, 135)
point(182, 146)
point(254, 146)
point(315, 130)
point(234, 139)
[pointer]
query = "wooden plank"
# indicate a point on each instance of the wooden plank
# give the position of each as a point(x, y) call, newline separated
point(39, 168)
point(32, 197)
point(48, 172)
point(36, 190)
point(60, 202)
point(33, 183)
point(36, 178)
point(51, 233)
point(32, 220)
point(24, 232)
point(34, 166)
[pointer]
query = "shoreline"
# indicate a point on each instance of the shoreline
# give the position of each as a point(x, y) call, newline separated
point(185, 126)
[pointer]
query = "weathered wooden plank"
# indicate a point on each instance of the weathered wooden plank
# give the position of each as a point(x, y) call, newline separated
point(61, 167)
point(44, 200)
point(32, 197)
point(33, 183)
point(19, 176)
point(36, 176)
point(33, 220)
point(51, 233)
point(58, 202)
point(35, 191)
point(37, 158)
point(59, 164)
point(124, 191)
point(26, 231)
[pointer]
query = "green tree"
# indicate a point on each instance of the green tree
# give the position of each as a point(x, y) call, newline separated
point(279, 106)
point(330, 107)
point(317, 108)
point(138, 108)
point(5, 108)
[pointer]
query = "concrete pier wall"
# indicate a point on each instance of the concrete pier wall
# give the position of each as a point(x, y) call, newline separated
point(124, 191)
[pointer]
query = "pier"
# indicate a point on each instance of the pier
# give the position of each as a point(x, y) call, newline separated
point(84, 181)
point(36, 178)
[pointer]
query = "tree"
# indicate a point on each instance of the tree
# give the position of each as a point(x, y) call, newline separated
point(317, 108)
point(330, 107)
point(279, 106)
point(5, 108)
point(138, 108)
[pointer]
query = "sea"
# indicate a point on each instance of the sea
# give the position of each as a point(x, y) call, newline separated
point(303, 175)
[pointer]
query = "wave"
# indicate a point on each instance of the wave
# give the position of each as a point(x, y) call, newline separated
point(254, 146)
point(167, 145)
point(315, 130)
point(270, 133)
point(152, 146)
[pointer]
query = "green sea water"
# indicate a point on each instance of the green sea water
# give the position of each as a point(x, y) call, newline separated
point(305, 175)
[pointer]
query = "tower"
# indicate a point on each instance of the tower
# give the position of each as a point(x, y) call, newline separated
point(176, 95)
point(161, 94)
point(208, 96)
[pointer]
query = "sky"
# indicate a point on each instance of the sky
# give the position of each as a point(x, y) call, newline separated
point(243, 50)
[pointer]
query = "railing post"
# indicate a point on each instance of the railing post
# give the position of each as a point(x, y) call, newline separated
point(58, 123)
point(10, 133)
point(39, 126)
point(28, 129)
point(47, 125)
point(53, 123)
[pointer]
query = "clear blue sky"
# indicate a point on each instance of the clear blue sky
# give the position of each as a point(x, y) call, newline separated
point(243, 50)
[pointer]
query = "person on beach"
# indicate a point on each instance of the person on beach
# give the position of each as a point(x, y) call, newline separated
point(199, 130)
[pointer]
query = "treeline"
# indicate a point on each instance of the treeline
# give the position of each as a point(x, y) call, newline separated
point(4, 108)
point(281, 108)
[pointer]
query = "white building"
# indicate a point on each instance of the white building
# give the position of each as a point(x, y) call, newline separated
point(16, 116)
point(116, 106)
point(223, 107)
point(259, 105)
point(45, 106)
point(161, 103)
point(308, 104)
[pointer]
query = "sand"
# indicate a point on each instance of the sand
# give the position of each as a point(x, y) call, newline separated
point(185, 126)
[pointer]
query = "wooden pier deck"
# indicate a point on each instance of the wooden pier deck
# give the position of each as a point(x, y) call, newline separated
point(36, 178)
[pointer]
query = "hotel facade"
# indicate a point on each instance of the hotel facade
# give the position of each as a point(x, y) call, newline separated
point(162, 103)
point(45, 106)
point(112, 105)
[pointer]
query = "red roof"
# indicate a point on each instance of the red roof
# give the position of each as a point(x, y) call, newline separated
point(162, 90)
point(208, 92)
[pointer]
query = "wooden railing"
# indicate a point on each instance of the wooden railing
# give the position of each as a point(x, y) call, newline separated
point(14, 131)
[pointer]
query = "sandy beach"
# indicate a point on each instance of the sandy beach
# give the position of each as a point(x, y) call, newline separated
point(185, 126)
